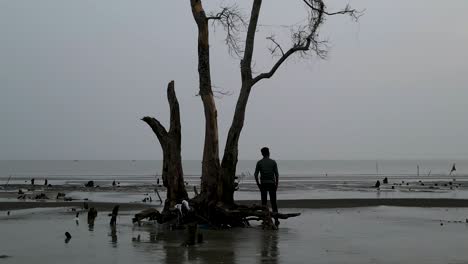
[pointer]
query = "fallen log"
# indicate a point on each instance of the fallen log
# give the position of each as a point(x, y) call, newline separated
point(150, 213)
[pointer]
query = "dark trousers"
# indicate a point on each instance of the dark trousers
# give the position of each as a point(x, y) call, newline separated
point(271, 189)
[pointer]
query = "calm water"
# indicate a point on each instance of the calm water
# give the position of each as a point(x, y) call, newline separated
point(308, 168)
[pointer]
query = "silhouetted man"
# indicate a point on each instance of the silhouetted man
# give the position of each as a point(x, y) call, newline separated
point(269, 176)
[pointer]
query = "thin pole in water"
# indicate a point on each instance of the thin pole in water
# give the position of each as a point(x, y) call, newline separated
point(8, 181)
point(377, 168)
point(156, 190)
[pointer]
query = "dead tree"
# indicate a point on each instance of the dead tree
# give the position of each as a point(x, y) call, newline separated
point(172, 172)
point(305, 39)
point(215, 203)
point(211, 167)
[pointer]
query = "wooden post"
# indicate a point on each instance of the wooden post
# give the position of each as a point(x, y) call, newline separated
point(92, 214)
point(114, 214)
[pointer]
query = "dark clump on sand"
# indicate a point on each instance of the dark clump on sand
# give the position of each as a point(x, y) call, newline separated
point(67, 237)
point(377, 184)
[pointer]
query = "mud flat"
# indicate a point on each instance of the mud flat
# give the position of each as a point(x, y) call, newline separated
point(379, 234)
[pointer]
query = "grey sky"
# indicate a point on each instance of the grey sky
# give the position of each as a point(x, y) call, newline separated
point(76, 76)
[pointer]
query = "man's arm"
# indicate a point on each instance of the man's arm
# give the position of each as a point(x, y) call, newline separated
point(276, 174)
point(257, 170)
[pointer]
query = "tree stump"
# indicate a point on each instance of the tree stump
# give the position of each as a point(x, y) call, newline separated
point(92, 214)
point(114, 214)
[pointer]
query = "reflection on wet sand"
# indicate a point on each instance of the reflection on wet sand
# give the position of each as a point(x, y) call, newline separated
point(269, 246)
point(227, 246)
point(354, 235)
point(113, 235)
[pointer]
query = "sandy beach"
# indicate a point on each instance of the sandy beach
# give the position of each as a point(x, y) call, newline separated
point(378, 234)
point(342, 221)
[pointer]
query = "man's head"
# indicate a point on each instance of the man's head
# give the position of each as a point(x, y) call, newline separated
point(265, 152)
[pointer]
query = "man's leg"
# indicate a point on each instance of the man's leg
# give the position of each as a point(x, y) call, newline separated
point(263, 193)
point(274, 206)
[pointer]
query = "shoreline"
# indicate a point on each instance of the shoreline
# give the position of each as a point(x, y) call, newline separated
point(296, 203)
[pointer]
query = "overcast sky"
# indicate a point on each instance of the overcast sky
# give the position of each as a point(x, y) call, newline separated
point(76, 77)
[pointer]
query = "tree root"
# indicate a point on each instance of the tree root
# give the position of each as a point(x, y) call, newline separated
point(217, 217)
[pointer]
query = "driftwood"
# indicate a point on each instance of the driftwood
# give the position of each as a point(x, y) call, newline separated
point(41, 196)
point(237, 216)
point(150, 213)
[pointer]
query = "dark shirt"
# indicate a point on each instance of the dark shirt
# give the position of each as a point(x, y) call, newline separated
point(268, 170)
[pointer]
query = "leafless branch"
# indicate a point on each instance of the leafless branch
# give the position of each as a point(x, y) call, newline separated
point(306, 37)
point(233, 22)
point(276, 47)
point(218, 92)
point(157, 128)
point(353, 13)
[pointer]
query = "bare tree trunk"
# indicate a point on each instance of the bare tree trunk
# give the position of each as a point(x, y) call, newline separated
point(172, 173)
point(211, 168)
point(231, 151)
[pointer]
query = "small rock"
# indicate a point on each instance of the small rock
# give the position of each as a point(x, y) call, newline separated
point(377, 184)
point(68, 237)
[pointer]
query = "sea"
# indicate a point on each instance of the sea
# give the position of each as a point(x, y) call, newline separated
point(143, 171)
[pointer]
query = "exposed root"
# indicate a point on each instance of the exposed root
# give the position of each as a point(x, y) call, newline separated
point(216, 216)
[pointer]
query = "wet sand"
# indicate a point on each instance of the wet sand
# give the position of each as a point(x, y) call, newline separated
point(353, 235)
point(341, 222)
point(297, 203)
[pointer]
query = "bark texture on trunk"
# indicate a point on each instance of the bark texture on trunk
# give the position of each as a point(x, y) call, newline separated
point(231, 151)
point(211, 168)
point(172, 173)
